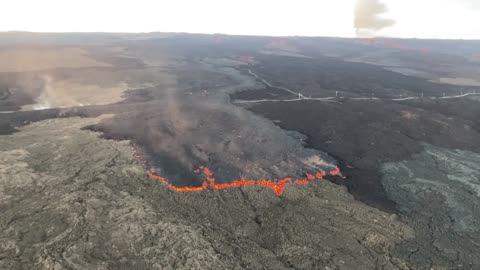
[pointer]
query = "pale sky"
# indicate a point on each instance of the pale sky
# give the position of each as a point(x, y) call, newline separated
point(414, 18)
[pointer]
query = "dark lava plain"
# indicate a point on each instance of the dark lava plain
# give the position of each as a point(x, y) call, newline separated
point(265, 93)
point(362, 135)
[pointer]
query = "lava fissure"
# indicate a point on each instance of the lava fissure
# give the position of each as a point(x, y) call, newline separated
point(277, 186)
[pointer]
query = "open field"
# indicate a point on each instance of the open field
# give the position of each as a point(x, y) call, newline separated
point(31, 59)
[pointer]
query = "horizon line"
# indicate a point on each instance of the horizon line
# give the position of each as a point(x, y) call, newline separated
point(225, 34)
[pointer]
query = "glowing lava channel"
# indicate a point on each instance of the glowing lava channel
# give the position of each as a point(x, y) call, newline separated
point(278, 185)
point(372, 41)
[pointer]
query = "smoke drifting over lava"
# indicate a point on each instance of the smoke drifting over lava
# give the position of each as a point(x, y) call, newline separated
point(367, 17)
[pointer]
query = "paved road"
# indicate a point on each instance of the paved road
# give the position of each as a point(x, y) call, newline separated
point(336, 98)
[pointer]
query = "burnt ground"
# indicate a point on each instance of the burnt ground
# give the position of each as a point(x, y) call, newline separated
point(362, 135)
point(186, 130)
point(322, 76)
point(191, 123)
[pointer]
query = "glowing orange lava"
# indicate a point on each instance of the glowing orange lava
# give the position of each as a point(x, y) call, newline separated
point(276, 185)
point(372, 41)
point(392, 45)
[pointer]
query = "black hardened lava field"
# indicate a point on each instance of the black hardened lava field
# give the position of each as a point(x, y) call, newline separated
point(363, 134)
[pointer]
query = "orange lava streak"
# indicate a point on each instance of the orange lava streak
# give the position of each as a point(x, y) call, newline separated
point(301, 182)
point(207, 171)
point(236, 183)
point(175, 188)
point(187, 189)
point(372, 41)
point(320, 175)
point(392, 45)
point(336, 172)
point(276, 186)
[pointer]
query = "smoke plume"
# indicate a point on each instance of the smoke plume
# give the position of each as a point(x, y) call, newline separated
point(367, 16)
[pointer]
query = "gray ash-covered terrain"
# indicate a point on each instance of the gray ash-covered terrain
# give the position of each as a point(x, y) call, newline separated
point(99, 132)
point(71, 200)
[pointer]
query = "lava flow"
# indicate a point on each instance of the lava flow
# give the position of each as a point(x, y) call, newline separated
point(277, 185)
point(373, 41)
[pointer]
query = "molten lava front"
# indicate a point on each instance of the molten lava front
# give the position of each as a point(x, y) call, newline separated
point(276, 185)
